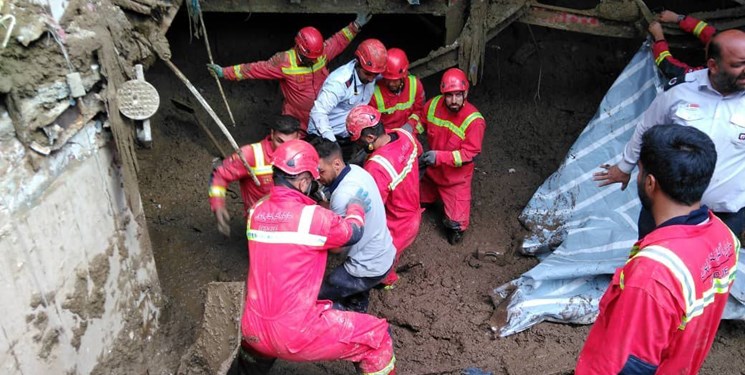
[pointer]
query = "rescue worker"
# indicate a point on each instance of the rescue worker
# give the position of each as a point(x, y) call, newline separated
point(399, 96)
point(368, 261)
point(670, 66)
point(393, 164)
point(300, 70)
point(711, 100)
point(259, 156)
point(348, 86)
point(662, 310)
point(288, 238)
point(455, 130)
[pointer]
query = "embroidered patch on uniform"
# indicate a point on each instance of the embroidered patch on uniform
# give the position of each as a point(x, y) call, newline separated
point(741, 137)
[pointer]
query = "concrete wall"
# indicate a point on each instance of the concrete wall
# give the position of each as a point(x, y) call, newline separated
point(77, 276)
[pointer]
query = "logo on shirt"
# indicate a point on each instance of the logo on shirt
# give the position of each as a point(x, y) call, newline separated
point(741, 137)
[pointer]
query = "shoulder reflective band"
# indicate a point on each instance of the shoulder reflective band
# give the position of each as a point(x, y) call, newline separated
point(460, 131)
point(396, 177)
point(261, 168)
point(398, 106)
point(300, 237)
point(294, 69)
point(694, 306)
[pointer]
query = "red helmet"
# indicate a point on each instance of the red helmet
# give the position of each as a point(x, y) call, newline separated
point(360, 118)
point(309, 42)
point(453, 80)
point(397, 66)
point(295, 157)
point(371, 55)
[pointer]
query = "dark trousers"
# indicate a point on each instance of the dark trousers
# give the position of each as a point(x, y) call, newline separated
point(348, 292)
point(734, 220)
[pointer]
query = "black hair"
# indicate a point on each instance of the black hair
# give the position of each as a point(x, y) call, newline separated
point(326, 149)
point(376, 130)
point(281, 177)
point(285, 124)
point(681, 158)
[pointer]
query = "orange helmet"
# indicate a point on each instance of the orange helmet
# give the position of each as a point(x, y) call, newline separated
point(397, 65)
point(360, 118)
point(309, 42)
point(295, 157)
point(371, 55)
point(453, 80)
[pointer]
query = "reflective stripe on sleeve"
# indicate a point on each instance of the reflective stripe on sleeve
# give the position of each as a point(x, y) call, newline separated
point(260, 168)
point(662, 57)
point(699, 28)
point(217, 191)
point(237, 71)
point(457, 159)
point(385, 370)
point(347, 33)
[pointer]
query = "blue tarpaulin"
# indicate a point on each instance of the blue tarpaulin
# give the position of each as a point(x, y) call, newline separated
point(582, 232)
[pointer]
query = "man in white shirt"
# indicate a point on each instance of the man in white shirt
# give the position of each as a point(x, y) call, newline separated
point(713, 101)
point(346, 87)
point(368, 261)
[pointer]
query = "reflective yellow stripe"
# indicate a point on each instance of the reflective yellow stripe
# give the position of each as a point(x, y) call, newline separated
point(398, 106)
point(261, 168)
point(294, 69)
point(419, 128)
point(397, 178)
point(699, 28)
point(237, 71)
point(385, 370)
point(460, 131)
point(457, 159)
point(694, 306)
point(415, 117)
point(347, 33)
point(217, 192)
point(662, 57)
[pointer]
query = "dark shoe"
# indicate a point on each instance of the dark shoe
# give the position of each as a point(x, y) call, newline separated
point(454, 236)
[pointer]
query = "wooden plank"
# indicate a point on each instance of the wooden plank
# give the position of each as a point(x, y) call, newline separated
point(433, 7)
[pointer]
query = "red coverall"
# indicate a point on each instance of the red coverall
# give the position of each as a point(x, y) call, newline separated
point(398, 109)
point(299, 84)
point(456, 138)
point(259, 156)
point(664, 306)
point(288, 238)
point(395, 169)
point(672, 67)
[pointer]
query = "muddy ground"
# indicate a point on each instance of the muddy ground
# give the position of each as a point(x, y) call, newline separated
point(534, 108)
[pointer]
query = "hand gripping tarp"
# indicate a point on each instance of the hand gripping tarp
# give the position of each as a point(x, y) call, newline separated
point(582, 232)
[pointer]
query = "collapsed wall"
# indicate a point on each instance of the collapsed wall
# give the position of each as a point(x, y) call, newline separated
point(79, 282)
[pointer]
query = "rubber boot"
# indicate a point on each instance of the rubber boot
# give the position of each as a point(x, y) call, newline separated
point(454, 236)
point(252, 364)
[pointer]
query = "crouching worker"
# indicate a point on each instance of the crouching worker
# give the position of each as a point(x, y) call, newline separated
point(662, 309)
point(368, 261)
point(288, 238)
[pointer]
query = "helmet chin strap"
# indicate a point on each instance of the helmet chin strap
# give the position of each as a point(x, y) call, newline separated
point(284, 181)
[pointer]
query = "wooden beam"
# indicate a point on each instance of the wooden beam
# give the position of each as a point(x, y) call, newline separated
point(433, 7)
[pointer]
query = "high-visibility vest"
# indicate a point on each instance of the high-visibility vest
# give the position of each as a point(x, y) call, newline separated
point(398, 176)
point(295, 69)
point(413, 86)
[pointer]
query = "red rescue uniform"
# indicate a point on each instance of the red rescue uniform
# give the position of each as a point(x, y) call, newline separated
point(288, 238)
point(456, 138)
point(662, 310)
point(395, 169)
point(299, 84)
point(671, 66)
point(397, 109)
point(259, 156)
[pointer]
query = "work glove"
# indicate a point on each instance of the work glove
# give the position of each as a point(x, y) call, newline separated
point(223, 221)
point(215, 70)
point(362, 18)
point(361, 198)
point(428, 158)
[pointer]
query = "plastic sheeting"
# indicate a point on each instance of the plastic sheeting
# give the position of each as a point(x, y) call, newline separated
point(582, 232)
